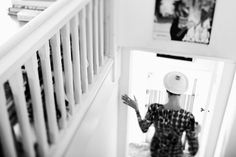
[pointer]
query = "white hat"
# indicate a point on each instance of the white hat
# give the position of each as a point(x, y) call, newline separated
point(176, 82)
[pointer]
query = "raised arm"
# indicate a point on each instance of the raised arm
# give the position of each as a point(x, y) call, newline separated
point(143, 123)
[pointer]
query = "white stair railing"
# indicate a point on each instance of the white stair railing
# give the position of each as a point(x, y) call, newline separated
point(50, 72)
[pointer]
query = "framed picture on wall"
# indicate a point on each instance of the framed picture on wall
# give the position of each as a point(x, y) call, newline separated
point(184, 20)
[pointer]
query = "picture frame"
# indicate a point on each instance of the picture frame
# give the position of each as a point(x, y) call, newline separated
point(184, 20)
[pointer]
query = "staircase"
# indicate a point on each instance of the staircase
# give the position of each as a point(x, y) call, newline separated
point(51, 71)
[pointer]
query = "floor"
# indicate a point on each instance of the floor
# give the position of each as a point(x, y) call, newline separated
point(138, 150)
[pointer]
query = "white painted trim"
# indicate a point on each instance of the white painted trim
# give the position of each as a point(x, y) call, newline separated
point(83, 48)
point(17, 86)
point(67, 62)
point(226, 141)
point(7, 142)
point(58, 76)
point(213, 126)
point(89, 24)
point(67, 134)
point(95, 38)
point(124, 88)
point(76, 58)
point(177, 53)
point(31, 67)
point(101, 30)
point(44, 54)
point(19, 51)
point(20, 47)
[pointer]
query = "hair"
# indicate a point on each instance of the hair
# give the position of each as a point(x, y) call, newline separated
point(177, 10)
point(172, 94)
point(177, 4)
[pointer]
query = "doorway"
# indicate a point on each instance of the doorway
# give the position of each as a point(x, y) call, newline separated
point(146, 83)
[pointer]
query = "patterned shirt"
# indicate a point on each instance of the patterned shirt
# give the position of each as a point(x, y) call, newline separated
point(169, 127)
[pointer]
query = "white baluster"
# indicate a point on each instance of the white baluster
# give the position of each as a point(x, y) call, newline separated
point(65, 38)
point(17, 86)
point(76, 58)
point(83, 44)
point(101, 31)
point(89, 20)
point(95, 38)
point(35, 92)
point(108, 11)
point(7, 142)
point(44, 55)
point(58, 77)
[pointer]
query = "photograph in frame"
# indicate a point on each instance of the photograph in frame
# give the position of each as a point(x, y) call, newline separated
point(183, 20)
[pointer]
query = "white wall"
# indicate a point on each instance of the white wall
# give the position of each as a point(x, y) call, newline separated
point(97, 135)
point(124, 88)
point(134, 30)
point(227, 138)
point(135, 26)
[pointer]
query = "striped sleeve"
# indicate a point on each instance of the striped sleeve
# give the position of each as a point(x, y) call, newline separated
point(148, 120)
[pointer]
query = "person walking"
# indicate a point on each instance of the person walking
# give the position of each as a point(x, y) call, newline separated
point(170, 120)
